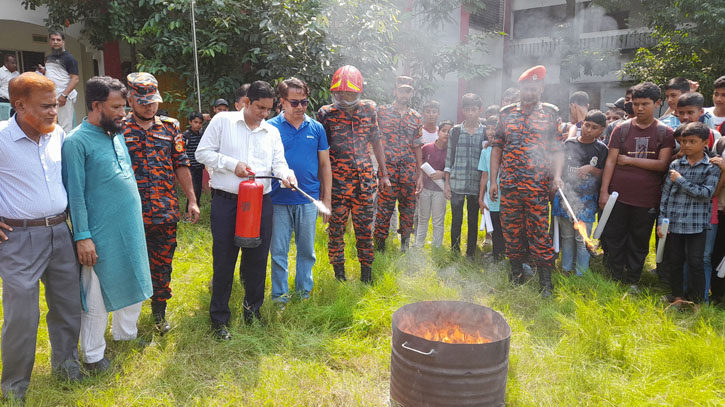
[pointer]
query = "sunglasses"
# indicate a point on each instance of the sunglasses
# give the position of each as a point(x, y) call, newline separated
point(295, 103)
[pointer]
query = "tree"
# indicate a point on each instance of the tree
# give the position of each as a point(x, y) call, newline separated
point(240, 41)
point(689, 43)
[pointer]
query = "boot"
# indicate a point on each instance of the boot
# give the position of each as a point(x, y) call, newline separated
point(517, 272)
point(366, 274)
point(339, 272)
point(545, 285)
point(380, 245)
point(158, 310)
point(404, 243)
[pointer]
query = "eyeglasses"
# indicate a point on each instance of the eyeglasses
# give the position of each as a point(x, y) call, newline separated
point(295, 103)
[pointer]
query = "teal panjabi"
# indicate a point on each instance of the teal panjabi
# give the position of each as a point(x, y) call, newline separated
point(105, 207)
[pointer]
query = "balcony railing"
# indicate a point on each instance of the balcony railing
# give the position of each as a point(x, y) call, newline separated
point(603, 40)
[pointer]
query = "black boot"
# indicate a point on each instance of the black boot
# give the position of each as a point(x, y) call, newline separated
point(517, 272)
point(339, 272)
point(380, 245)
point(366, 274)
point(404, 243)
point(158, 310)
point(545, 285)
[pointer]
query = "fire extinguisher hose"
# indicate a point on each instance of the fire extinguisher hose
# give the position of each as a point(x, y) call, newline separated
point(320, 206)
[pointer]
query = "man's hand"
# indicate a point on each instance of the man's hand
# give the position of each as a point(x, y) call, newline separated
point(447, 191)
point(719, 162)
point(62, 100)
point(241, 169)
point(194, 212)
point(328, 205)
point(622, 159)
point(419, 186)
point(557, 183)
point(583, 171)
point(603, 198)
point(438, 175)
point(384, 184)
point(86, 252)
point(493, 191)
point(674, 175)
point(206, 117)
point(3, 236)
point(289, 182)
point(659, 232)
point(41, 69)
point(482, 205)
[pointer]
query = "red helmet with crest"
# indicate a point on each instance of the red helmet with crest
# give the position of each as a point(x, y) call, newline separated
point(347, 79)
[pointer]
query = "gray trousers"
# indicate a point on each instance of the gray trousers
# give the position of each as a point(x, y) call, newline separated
point(29, 255)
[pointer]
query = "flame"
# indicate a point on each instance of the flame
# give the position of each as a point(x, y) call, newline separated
point(580, 227)
point(446, 332)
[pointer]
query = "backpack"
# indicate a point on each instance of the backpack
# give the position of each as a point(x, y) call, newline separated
point(453, 141)
point(661, 131)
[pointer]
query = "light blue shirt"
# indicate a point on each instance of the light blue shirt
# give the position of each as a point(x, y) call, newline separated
point(484, 165)
point(31, 185)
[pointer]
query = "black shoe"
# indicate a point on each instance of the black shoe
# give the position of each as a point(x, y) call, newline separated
point(221, 332)
point(380, 245)
point(158, 309)
point(98, 367)
point(339, 272)
point(545, 284)
point(251, 317)
point(404, 243)
point(366, 274)
point(70, 371)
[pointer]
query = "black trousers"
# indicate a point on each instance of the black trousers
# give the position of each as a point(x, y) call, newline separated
point(457, 221)
point(717, 285)
point(197, 177)
point(498, 242)
point(253, 267)
point(688, 248)
point(627, 238)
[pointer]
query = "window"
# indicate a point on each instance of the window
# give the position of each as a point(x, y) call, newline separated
point(489, 19)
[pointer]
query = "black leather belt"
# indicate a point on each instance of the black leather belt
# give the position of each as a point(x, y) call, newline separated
point(48, 221)
point(223, 194)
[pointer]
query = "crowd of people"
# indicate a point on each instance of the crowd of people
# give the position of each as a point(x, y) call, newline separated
point(540, 185)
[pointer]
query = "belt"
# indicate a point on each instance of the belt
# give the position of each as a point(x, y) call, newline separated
point(48, 221)
point(223, 194)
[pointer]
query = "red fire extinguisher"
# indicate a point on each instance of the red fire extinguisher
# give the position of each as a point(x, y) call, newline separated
point(249, 213)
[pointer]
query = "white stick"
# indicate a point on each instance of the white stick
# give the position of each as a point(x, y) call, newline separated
point(556, 234)
point(489, 222)
point(661, 245)
point(482, 224)
point(569, 210)
point(605, 215)
point(721, 269)
point(430, 171)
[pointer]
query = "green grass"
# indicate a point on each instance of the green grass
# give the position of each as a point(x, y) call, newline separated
point(592, 344)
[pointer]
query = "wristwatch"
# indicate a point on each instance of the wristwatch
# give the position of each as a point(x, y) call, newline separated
point(64, 95)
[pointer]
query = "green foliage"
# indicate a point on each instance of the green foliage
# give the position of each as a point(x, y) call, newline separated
point(689, 43)
point(241, 41)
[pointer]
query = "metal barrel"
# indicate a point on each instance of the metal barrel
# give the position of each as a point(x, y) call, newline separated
point(427, 373)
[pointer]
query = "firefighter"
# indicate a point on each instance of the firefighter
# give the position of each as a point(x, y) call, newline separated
point(351, 125)
point(528, 148)
point(401, 131)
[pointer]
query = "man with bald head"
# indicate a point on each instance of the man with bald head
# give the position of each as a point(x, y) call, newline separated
point(35, 242)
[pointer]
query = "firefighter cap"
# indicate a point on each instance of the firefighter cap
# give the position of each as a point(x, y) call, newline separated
point(144, 88)
point(535, 74)
point(403, 82)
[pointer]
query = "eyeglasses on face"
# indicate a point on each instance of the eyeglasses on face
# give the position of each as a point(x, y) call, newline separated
point(295, 103)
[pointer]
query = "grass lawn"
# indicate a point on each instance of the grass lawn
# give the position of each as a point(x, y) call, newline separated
point(592, 344)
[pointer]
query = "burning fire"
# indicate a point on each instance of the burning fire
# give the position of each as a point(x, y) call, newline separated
point(447, 332)
point(580, 227)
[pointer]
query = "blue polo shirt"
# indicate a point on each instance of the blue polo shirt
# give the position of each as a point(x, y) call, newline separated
point(300, 150)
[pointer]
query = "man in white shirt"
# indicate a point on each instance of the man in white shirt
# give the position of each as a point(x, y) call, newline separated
point(62, 68)
point(718, 99)
point(8, 71)
point(233, 144)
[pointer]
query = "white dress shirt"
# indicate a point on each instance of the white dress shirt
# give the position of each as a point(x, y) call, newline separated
point(228, 140)
point(5, 76)
point(31, 186)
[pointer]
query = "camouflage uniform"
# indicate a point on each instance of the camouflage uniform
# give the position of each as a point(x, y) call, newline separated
point(354, 184)
point(529, 142)
point(400, 136)
point(155, 154)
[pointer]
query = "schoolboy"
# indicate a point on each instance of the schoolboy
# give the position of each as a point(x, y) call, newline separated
point(431, 198)
point(640, 150)
point(718, 99)
point(674, 88)
point(431, 112)
point(462, 176)
point(582, 175)
point(498, 243)
point(687, 202)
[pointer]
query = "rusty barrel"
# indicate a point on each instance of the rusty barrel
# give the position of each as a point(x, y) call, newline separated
point(430, 373)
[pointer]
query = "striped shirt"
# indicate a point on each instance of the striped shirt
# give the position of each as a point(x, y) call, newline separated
point(192, 142)
point(31, 185)
point(687, 202)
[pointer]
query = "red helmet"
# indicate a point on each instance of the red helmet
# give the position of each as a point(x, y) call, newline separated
point(347, 79)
